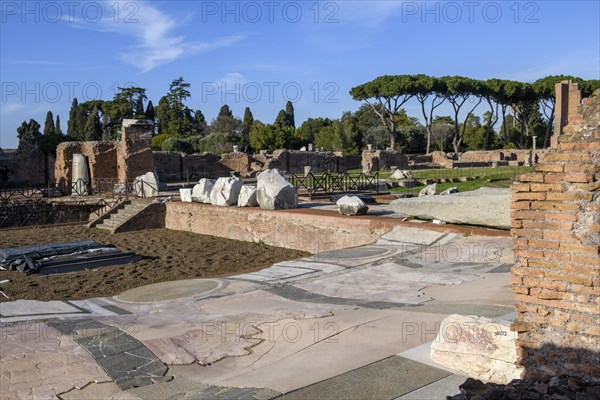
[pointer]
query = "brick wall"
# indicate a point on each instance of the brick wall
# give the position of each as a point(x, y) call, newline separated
point(555, 217)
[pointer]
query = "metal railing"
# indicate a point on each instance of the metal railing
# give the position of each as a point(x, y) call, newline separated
point(328, 183)
point(80, 187)
point(18, 213)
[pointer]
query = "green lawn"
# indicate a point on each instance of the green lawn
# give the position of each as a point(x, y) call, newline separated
point(462, 186)
point(446, 173)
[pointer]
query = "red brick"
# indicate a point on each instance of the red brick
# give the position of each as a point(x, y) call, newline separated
point(555, 226)
point(585, 290)
point(549, 303)
point(527, 272)
point(527, 196)
point(520, 214)
point(580, 248)
point(555, 216)
point(533, 177)
point(519, 205)
point(554, 205)
point(520, 187)
point(562, 236)
point(556, 256)
point(545, 284)
point(586, 260)
point(520, 290)
point(529, 253)
point(585, 168)
point(543, 244)
point(549, 168)
point(566, 157)
point(569, 196)
point(577, 279)
point(571, 177)
point(547, 187)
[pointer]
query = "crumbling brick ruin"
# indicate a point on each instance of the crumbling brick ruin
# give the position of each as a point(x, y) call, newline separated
point(175, 166)
point(555, 216)
point(26, 166)
point(120, 161)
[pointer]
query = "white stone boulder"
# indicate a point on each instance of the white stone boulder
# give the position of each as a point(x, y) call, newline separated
point(401, 174)
point(449, 191)
point(201, 191)
point(247, 196)
point(428, 190)
point(351, 205)
point(185, 195)
point(481, 348)
point(146, 185)
point(484, 207)
point(226, 191)
point(274, 192)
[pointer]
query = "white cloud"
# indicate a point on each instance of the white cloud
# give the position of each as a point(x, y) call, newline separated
point(153, 30)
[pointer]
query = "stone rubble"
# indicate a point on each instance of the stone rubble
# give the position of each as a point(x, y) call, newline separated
point(185, 195)
point(449, 191)
point(226, 191)
point(146, 185)
point(428, 190)
point(274, 192)
point(247, 197)
point(351, 205)
point(201, 191)
point(561, 387)
point(480, 347)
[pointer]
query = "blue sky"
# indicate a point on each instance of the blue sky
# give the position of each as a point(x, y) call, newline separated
point(260, 54)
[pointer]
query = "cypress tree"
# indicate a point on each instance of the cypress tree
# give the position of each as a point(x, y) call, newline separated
point(72, 127)
point(150, 113)
point(49, 129)
point(289, 110)
point(57, 129)
point(93, 127)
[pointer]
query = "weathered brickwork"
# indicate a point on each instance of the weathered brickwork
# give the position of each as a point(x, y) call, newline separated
point(555, 217)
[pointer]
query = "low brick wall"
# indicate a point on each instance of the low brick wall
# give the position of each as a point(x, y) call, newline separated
point(290, 229)
point(151, 217)
point(555, 215)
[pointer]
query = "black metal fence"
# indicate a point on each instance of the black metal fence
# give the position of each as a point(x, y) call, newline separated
point(18, 213)
point(80, 187)
point(329, 183)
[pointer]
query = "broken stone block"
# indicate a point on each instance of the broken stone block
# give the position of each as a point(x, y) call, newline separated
point(201, 191)
point(485, 207)
point(226, 191)
point(401, 174)
point(480, 347)
point(428, 190)
point(449, 191)
point(185, 195)
point(274, 192)
point(247, 196)
point(146, 185)
point(351, 205)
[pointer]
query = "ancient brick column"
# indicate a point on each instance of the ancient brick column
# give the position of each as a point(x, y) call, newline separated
point(134, 155)
point(555, 215)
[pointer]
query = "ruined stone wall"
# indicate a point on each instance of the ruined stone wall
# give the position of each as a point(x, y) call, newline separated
point(168, 165)
point(384, 159)
point(134, 155)
point(294, 161)
point(205, 165)
point(242, 163)
point(102, 159)
point(26, 166)
point(555, 216)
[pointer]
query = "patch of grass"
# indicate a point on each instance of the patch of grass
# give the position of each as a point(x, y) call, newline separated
point(462, 186)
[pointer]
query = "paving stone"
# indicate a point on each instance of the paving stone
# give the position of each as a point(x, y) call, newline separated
point(133, 368)
point(385, 379)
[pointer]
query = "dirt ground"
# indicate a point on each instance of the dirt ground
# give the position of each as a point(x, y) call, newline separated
point(167, 255)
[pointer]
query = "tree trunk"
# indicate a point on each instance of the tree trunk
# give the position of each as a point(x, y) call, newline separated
point(428, 139)
point(549, 130)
